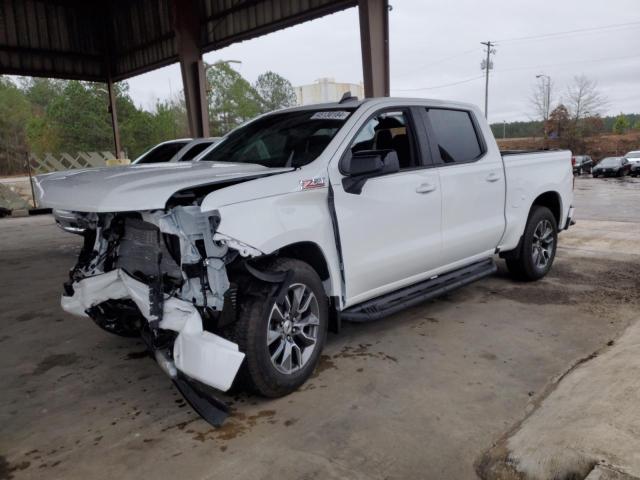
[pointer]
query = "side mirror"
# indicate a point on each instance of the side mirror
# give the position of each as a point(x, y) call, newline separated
point(365, 164)
point(362, 163)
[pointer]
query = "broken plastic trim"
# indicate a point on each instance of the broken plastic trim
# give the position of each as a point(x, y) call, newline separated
point(281, 278)
point(207, 406)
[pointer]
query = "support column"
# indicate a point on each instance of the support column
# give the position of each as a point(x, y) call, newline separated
point(374, 40)
point(187, 27)
point(114, 118)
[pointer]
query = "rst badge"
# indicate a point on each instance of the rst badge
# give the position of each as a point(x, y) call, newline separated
point(315, 182)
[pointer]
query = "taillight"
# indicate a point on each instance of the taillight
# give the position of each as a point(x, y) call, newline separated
point(573, 161)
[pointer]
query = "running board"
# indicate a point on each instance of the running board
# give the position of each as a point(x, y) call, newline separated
point(406, 297)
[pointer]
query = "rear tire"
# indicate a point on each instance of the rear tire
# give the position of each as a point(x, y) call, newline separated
point(537, 250)
point(266, 333)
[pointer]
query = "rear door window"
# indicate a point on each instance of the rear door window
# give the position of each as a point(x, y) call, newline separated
point(455, 135)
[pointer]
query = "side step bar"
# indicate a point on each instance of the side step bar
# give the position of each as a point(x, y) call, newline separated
point(406, 297)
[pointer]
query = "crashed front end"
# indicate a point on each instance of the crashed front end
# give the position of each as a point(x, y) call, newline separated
point(163, 275)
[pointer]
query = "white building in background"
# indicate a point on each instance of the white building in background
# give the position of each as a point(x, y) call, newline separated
point(326, 90)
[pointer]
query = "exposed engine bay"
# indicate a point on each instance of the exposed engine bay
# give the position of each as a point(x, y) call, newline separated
point(162, 275)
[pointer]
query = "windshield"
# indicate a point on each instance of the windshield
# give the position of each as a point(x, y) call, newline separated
point(161, 153)
point(633, 155)
point(288, 139)
point(610, 162)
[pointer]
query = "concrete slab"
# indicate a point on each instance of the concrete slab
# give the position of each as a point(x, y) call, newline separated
point(420, 395)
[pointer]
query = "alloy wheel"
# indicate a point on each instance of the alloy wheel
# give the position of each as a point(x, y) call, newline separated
point(292, 331)
point(543, 244)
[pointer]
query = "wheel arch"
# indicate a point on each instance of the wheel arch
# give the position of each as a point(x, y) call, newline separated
point(308, 252)
point(553, 201)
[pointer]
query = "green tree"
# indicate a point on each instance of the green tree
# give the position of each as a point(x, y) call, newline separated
point(621, 124)
point(275, 91)
point(232, 99)
point(14, 114)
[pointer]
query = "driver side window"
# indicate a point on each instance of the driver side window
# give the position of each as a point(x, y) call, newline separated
point(387, 131)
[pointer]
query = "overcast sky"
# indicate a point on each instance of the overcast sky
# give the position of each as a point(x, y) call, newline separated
point(436, 43)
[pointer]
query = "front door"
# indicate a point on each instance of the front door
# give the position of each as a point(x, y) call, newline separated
point(390, 231)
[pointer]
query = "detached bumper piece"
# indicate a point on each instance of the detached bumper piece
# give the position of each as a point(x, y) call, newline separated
point(194, 354)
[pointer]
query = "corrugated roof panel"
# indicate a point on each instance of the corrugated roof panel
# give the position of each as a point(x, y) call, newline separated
point(229, 21)
point(78, 39)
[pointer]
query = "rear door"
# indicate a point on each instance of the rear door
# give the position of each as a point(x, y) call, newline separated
point(390, 231)
point(473, 185)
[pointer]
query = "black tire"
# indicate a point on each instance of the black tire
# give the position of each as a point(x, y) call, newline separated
point(579, 171)
point(524, 265)
point(258, 372)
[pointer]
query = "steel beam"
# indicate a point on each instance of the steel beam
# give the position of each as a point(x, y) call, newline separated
point(114, 118)
point(187, 28)
point(374, 39)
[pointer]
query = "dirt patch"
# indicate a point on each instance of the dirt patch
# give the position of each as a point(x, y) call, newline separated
point(603, 284)
point(58, 360)
point(362, 351)
point(137, 355)
point(235, 426)
point(7, 469)
point(325, 363)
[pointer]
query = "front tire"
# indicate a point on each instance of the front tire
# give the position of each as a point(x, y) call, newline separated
point(282, 342)
point(537, 250)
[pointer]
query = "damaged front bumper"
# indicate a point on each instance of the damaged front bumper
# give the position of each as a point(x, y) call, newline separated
point(163, 275)
point(198, 354)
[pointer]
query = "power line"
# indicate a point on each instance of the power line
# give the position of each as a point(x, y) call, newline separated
point(439, 86)
point(442, 60)
point(569, 32)
point(534, 67)
point(571, 62)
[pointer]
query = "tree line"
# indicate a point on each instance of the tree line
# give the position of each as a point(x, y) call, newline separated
point(622, 123)
point(40, 115)
point(570, 116)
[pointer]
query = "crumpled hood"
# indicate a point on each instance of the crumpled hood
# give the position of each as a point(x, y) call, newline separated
point(135, 187)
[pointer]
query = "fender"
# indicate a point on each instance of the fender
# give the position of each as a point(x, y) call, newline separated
point(272, 223)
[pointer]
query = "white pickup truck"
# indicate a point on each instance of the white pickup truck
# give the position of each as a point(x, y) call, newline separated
point(237, 264)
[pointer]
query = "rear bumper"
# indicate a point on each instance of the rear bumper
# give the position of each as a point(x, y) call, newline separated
point(197, 354)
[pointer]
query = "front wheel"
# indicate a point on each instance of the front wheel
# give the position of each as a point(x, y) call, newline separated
point(537, 249)
point(282, 340)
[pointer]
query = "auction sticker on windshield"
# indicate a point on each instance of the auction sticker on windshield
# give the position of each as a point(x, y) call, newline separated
point(330, 115)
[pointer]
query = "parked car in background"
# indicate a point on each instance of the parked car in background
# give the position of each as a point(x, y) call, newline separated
point(634, 160)
point(581, 163)
point(163, 152)
point(180, 150)
point(612, 167)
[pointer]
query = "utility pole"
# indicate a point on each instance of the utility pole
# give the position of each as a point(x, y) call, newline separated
point(487, 65)
point(504, 129)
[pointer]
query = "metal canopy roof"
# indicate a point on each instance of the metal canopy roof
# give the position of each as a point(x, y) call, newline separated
point(95, 40)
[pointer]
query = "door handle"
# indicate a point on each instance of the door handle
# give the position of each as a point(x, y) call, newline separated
point(493, 177)
point(425, 188)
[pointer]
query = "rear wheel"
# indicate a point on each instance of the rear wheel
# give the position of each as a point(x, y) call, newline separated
point(537, 249)
point(282, 341)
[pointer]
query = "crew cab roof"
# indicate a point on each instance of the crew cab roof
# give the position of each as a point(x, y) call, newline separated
point(383, 102)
